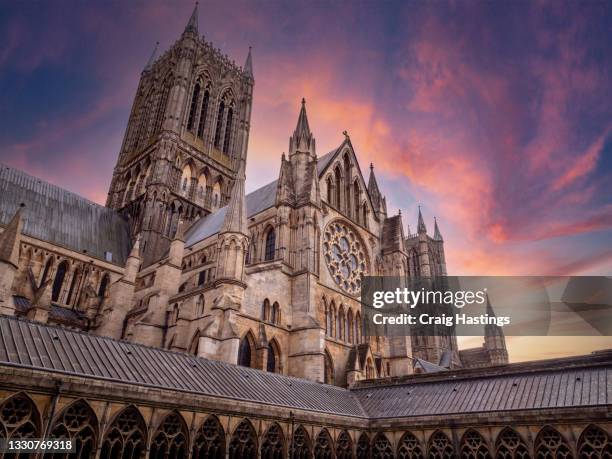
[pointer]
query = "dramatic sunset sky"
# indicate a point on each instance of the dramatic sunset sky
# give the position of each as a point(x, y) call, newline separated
point(496, 117)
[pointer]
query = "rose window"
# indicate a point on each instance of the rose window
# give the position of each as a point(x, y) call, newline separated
point(345, 257)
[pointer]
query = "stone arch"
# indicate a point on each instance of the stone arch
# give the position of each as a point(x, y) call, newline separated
point(273, 443)
point(126, 436)
point(409, 447)
point(363, 447)
point(474, 446)
point(370, 369)
point(381, 447)
point(270, 243)
point(594, 443)
point(265, 310)
point(19, 417)
point(350, 337)
point(79, 423)
point(324, 447)
point(328, 365)
point(550, 443)
point(510, 445)
point(274, 357)
point(209, 442)
point(440, 446)
point(171, 439)
point(276, 313)
point(243, 444)
point(247, 350)
point(344, 446)
point(301, 447)
point(341, 323)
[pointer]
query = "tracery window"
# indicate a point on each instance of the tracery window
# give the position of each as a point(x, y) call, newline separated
point(270, 245)
point(78, 423)
point(193, 107)
point(219, 124)
point(243, 444)
point(440, 447)
point(203, 113)
point(273, 444)
point(170, 440)
point(381, 447)
point(344, 446)
point(300, 444)
point(19, 418)
point(551, 444)
point(126, 437)
point(323, 446)
point(510, 445)
point(209, 441)
point(409, 447)
point(473, 446)
point(345, 256)
point(594, 443)
point(363, 447)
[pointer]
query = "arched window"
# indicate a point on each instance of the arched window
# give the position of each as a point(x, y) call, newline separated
point(186, 180)
point(347, 183)
point(200, 305)
point(203, 113)
point(59, 281)
point(300, 444)
point(273, 365)
point(323, 446)
point(126, 436)
point(340, 323)
point(219, 123)
point(78, 423)
point(243, 444)
point(328, 368)
point(356, 199)
point(594, 443)
point(228, 129)
point(245, 352)
point(209, 440)
point(414, 261)
point(193, 107)
point(381, 447)
point(327, 318)
point(201, 194)
point(270, 245)
point(440, 447)
point(265, 310)
point(103, 286)
point(550, 443)
point(363, 447)
point(510, 445)
point(275, 313)
point(332, 320)
point(409, 447)
point(349, 327)
point(161, 107)
point(273, 443)
point(19, 418)
point(330, 189)
point(170, 440)
point(338, 188)
point(344, 446)
point(474, 446)
point(370, 373)
point(45, 273)
point(358, 328)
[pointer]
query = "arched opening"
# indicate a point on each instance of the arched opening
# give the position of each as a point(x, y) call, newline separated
point(338, 188)
point(349, 327)
point(209, 440)
point(273, 443)
point(19, 418)
point(203, 113)
point(550, 443)
point(344, 446)
point(193, 107)
point(328, 368)
point(440, 446)
point(170, 439)
point(45, 273)
point(370, 372)
point(473, 445)
point(186, 180)
point(330, 189)
point(201, 193)
point(409, 447)
point(323, 446)
point(265, 310)
point(219, 124)
point(59, 280)
point(216, 195)
point(381, 447)
point(510, 445)
point(356, 200)
point(594, 443)
point(300, 444)
point(275, 319)
point(243, 444)
point(270, 245)
point(363, 447)
point(73, 285)
point(273, 364)
point(228, 129)
point(246, 351)
point(78, 423)
point(347, 182)
point(126, 436)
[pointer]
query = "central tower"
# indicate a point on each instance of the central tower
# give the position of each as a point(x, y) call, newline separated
point(186, 137)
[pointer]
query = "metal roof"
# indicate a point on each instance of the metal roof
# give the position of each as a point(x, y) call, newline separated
point(257, 201)
point(58, 216)
point(33, 345)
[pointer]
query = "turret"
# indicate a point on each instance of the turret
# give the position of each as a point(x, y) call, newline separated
point(495, 341)
point(378, 200)
point(424, 259)
point(9, 258)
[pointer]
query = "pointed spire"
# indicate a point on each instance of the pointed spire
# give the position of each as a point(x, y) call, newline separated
point(490, 311)
point(9, 239)
point(248, 65)
point(302, 138)
point(302, 127)
point(373, 186)
point(437, 234)
point(152, 58)
point(235, 220)
point(421, 228)
point(192, 25)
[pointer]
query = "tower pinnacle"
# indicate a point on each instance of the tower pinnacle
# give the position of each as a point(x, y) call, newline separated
point(152, 58)
point(248, 65)
point(302, 138)
point(421, 228)
point(235, 220)
point(437, 234)
point(192, 25)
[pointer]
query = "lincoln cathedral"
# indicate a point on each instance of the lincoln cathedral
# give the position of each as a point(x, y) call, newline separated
point(186, 318)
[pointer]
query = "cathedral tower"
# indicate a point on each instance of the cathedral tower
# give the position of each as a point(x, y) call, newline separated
point(185, 139)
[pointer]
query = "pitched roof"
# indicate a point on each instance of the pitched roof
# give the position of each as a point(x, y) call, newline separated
point(256, 201)
point(427, 366)
point(32, 345)
point(58, 216)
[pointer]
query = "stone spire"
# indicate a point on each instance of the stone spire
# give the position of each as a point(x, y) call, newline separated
point(9, 240)
point(437, 234)
point(302, 139)
point(248, 65)
point(421, 228)
point(373, 187)
point(192, 25)
point(236, 216)
point(152, 58)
